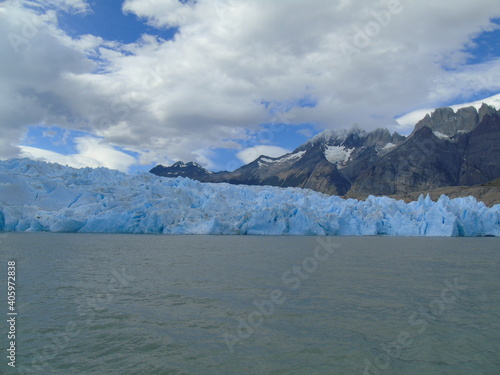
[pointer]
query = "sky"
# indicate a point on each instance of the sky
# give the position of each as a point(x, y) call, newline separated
point(135, 83)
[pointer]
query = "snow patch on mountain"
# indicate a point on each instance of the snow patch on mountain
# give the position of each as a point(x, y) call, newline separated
point(338, 154)
point(441, 135)
point(283, 159)
point(263, 161)
point(291, 157)
point(329, 135)
point(388, 146)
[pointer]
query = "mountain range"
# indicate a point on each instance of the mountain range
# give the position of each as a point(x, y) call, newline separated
point(445, 149)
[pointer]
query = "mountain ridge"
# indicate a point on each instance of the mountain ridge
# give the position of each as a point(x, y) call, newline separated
point(446, 148)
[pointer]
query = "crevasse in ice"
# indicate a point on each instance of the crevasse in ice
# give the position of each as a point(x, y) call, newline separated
point(39, 196)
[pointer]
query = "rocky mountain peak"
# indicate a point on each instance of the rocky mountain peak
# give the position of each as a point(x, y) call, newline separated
point(329, 136)
point(379, 137)
point(486, 110)
point(352, 138)
point(190, 164)
point(190, 169)
point(448, 122)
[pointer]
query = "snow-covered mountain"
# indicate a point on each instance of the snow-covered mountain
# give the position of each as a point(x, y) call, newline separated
point(38, 196)
point(327, 163)
point(179, 169)
point(446, 148)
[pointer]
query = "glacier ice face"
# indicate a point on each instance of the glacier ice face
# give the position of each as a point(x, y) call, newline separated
point(38, 196)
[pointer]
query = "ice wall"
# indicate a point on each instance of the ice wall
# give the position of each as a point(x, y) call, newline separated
point(38, 196)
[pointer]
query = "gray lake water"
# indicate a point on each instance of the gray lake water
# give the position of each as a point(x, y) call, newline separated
point(148, 304)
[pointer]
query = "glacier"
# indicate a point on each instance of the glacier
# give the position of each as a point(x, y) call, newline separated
point(40, 196)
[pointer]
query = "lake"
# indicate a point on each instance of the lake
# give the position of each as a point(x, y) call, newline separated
point(161, 304)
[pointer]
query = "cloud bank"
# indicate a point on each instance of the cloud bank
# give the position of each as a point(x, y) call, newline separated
point(365, 62)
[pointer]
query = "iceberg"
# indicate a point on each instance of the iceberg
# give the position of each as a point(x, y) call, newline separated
point(40, 196)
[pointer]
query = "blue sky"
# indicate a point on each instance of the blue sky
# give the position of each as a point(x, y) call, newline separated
point(486, 46)
point(130, 84)
point(108, 21)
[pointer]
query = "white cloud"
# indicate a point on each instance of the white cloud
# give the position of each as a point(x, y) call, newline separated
point(305, 132)
point(160, 13)
point(70, 6)
point(249, 154)
point(493, 101)
point(408, 121)
point(91, 153)
point(179, 99)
